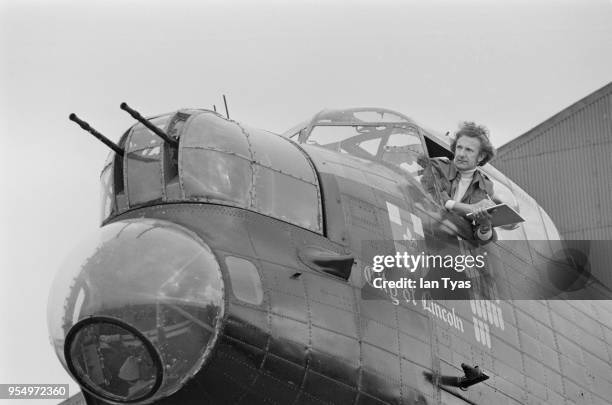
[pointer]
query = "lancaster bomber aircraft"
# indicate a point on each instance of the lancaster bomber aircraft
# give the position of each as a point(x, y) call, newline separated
point(234, 266)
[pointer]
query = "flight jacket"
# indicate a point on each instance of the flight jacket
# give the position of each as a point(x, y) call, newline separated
point(439, 178)
point(440, 175)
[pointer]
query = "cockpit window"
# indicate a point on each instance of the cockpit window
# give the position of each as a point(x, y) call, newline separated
point(331, 137)
point(404, 137)
point(401, 148)
point(371, 146)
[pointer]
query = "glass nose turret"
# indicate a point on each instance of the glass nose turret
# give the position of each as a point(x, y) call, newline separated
point(136, 309)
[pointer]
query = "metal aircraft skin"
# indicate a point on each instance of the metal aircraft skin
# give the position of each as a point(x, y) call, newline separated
point(231, 268)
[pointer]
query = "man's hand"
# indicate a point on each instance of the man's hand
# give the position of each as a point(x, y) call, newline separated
point(484, 230)
point(479, 212)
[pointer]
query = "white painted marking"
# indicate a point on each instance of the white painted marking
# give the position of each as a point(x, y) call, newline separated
point(394, 213)
point(488, 305)
point(483, 335)
point(417, 225)
point(484, 310)
point(494, 312)
point(407, 235)
point(476, 331)
point(501, 318)
point(487, 335)
point(478, 309)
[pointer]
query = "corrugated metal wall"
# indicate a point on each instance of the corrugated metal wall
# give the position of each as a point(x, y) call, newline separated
point(565, 163)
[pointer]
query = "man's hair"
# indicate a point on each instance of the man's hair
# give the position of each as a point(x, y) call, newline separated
point(479, 132)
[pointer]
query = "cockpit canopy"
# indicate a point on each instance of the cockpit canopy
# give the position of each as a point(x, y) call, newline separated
point(217, 161)
point(355, 116)
point(377, 134)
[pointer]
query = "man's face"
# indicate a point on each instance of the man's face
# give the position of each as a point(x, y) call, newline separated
point(467, 153)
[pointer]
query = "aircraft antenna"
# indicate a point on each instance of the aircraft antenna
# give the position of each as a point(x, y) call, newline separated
point(102, 138)
point(136, 115)
point(215, 108)
point(225, 102)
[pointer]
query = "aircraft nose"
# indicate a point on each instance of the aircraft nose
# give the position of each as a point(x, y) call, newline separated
point(136, 309)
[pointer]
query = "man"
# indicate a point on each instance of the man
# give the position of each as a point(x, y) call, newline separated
point(462, 187)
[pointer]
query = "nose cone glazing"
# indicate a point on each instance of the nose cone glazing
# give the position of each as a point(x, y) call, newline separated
point(136, 309)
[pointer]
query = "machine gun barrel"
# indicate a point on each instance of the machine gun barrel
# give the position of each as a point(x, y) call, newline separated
point(136, 115)
point(102, 138)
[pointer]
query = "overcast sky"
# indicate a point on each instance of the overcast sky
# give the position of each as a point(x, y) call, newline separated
point(507, 64)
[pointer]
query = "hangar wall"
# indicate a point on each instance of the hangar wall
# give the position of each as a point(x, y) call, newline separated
point(565, 163)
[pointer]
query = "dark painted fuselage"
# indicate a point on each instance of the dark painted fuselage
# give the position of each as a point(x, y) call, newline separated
point(295, 331)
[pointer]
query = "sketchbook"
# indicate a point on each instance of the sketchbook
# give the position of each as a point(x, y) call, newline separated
point(502, 214)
